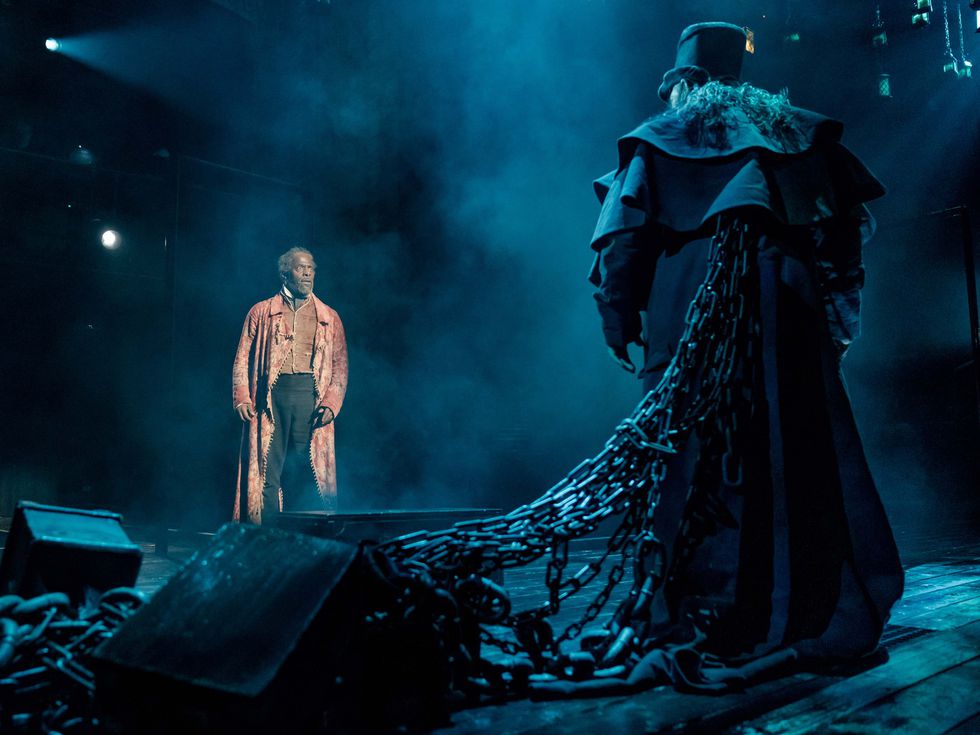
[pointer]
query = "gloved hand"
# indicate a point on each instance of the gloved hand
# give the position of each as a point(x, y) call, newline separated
point(621, 355)
point(322, 416)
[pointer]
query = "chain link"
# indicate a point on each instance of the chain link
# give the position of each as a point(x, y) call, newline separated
point(45, 647)
point(949, 47)
point(963, 59)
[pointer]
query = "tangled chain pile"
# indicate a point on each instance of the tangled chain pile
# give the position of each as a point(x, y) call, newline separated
point(706, 390)
point(45, 644)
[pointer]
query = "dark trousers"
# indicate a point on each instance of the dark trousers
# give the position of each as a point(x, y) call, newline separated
point(288, 465)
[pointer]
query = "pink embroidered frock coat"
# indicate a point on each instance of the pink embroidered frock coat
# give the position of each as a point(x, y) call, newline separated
point(262, 350)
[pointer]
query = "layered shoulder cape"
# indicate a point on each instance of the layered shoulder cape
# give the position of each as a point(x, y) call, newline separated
point(664, 178)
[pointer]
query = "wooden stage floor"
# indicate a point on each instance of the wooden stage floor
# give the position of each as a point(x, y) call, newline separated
point(930, 683)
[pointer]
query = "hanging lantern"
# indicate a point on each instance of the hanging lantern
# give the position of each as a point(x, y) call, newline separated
point(884, 85)
point(965, 70)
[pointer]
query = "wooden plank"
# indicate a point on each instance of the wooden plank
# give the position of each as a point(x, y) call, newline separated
point(936, 569)
point(661, 709)
point(969, 727)
point(937, 584)
point(936, 704)
point(948, 617)
point(895, 635)
point(909, 664)
point(921, 613)
point(921, 608)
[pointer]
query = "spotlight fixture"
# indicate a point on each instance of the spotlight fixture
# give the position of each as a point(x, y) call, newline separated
point(965, 70)
point(111, 239)
point(921, 11)
point(885, 85)
point(950, 65)
point(52, 44)
point(81, 156)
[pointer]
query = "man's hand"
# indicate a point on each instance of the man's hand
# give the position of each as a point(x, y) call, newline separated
point(322, 416)
point(245, 411)
point(621, 355)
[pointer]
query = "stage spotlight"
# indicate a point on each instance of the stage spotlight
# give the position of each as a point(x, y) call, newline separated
point(111, 239)
point(922, 8)
point(950, 65)
point(81, 156)
point(52, 44)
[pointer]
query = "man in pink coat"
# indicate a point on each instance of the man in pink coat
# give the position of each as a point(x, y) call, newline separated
point(288, 384)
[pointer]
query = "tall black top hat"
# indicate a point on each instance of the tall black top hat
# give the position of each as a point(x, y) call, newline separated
point(706, 52)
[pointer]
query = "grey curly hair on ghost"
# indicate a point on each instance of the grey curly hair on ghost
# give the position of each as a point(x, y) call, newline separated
point(708, 113)
point(286, 259)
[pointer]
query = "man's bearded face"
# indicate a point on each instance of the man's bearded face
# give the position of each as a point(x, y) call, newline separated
point(299, 277)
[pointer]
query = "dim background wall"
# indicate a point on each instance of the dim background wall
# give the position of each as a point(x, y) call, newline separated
point(437, 158)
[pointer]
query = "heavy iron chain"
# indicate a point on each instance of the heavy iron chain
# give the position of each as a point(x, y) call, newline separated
point(704, 390)
point(45, 645)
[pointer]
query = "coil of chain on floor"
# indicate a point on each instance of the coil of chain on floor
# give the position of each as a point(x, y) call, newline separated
point(705, 390)
point(46, 685)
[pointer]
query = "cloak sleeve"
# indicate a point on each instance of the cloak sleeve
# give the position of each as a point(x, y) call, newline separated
point(625, 198)
point(623, 274)
point(240, 391)
point(841, 271)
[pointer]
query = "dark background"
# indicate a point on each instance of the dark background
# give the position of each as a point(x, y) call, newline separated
point(437, 157)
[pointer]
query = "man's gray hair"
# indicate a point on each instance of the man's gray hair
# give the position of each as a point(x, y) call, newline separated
point(286, 259)
point(709, 113)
